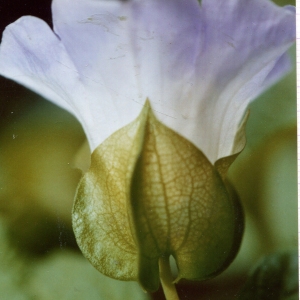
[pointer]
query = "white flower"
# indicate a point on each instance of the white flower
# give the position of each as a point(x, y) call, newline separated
point(199, 64)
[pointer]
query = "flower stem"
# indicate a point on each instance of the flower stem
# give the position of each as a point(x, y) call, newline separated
point(166, 279)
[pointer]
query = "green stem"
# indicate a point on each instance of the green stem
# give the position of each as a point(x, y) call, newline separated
point(166, 279)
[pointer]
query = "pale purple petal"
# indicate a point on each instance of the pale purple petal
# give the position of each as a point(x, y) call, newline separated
point(35, 57)
point(209, 62)
point(199, 65)
point(282, 66)
point(97, 37)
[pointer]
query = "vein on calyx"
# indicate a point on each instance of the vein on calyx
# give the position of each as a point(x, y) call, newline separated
point(150, 193)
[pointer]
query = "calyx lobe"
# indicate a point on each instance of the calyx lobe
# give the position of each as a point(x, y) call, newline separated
point(149, 193)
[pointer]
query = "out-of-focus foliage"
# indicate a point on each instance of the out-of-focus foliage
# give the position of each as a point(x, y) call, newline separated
point(37, 185)
point(265, 175)
point(284, 2)
point(37, 178)
point(63, 275)
point(266, 181)
point(275, 277)
point(273, 110)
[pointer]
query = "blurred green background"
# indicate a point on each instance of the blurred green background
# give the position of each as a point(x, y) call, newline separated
point(40, 151)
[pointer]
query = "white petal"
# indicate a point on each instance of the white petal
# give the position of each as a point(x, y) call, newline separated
point(33, 56)
point(97, 37)
point(199, 65)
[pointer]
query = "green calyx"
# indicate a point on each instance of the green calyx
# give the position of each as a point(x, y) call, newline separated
point(150, 193)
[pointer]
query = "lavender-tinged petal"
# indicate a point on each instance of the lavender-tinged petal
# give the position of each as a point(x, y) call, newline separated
point(131, 45)
point(258, 33)
point(212, 62)
point(282, 67)
point(97, 38)
point(200, 65)
point(33, 56)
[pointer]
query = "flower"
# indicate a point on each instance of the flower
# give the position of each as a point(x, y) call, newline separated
point(199, 64)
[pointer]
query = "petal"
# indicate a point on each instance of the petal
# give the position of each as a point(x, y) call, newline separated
point(207, 63)
point(129, 57)
point(33, 56)
point(282, 66)
point(97, 38)
point(200, 65)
